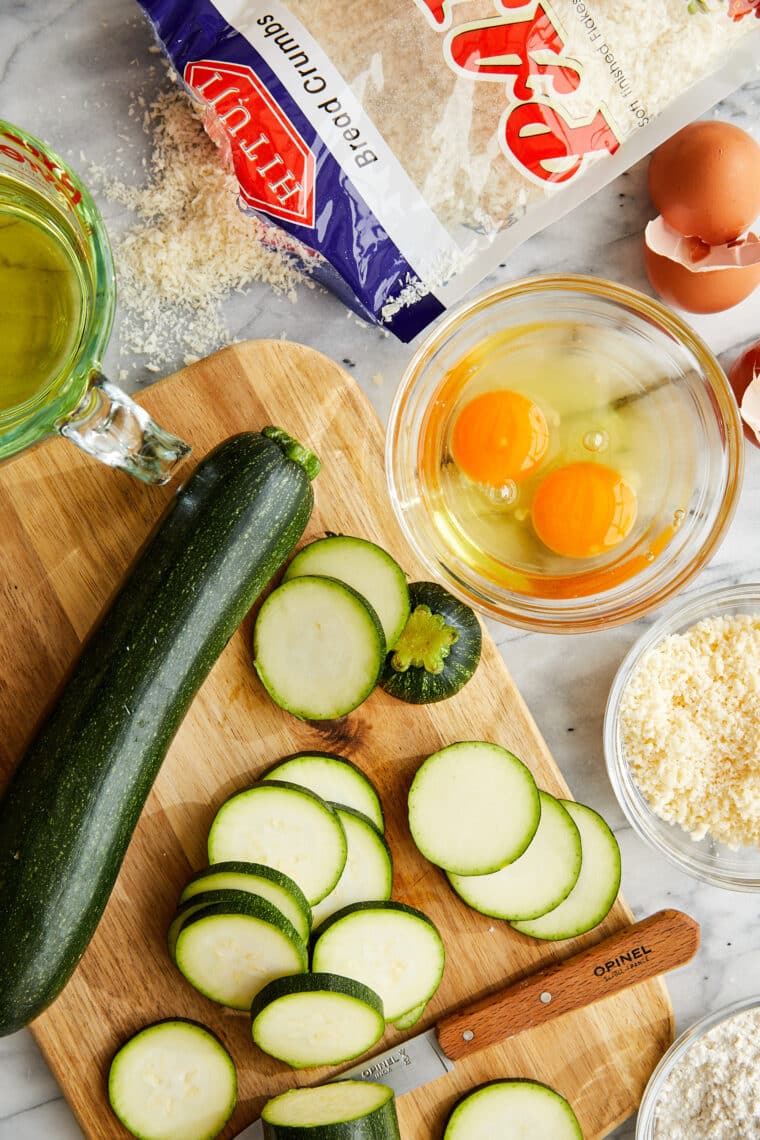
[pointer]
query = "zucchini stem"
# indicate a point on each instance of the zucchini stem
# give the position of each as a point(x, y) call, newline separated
point(425, 642)
point(294, 450)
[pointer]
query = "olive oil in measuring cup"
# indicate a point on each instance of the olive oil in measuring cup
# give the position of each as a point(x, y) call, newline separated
point(544, 460)
point(57, 298)
point(43, 299)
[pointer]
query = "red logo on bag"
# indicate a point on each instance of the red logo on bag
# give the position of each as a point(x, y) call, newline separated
point(523, 48)
point(273, 164)
point(438, 12)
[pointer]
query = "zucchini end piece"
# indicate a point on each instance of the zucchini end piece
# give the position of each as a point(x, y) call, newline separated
point(425, 642)
point(294, 450)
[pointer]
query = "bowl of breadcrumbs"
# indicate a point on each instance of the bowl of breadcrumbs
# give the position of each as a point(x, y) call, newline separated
point(707, 1085)
point(682, 736)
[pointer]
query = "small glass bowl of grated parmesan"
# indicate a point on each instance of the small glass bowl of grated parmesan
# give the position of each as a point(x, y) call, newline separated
point(707, 1085)
point(682, 736)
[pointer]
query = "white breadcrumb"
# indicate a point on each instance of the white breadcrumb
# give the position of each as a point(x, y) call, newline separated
point(191, 246)
point(690, 729)
point(713, 1093)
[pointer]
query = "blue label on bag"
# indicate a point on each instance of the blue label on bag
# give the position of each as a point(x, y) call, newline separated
point(307, 157)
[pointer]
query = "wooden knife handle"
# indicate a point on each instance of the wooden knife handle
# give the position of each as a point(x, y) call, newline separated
point(661, 942)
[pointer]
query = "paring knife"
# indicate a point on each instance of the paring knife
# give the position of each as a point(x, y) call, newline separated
point(634, 954)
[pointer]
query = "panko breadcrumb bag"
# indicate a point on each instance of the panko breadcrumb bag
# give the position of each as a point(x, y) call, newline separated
point(409, 145)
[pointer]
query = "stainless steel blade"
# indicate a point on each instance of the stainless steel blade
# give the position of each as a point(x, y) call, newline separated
point(404, 1067)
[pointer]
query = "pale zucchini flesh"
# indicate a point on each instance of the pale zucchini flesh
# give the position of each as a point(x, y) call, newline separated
point(592, 897)
point(188, 907)
point(334, 778)
point(539, 880)
point(513, 1110)
point(394, 949)
point(366, 567)
point(368, 873)
point(407, 1020)
point(344, 1110)
point(285, 827)
point(318, 648)
point(316, 1019)
point(473, 808)
point(173, 1081)
point(278, 888)
point(181, 915)
point(229, 956)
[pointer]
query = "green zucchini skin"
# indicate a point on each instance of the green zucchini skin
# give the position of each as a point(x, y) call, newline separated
point(416, 685)
point(73, 802)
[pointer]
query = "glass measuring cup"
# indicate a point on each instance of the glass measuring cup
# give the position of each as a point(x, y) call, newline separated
point(57, 298)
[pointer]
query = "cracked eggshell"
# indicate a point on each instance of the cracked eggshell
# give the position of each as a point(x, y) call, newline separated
point(699, 278)
point(705, 181)
point(744, 378)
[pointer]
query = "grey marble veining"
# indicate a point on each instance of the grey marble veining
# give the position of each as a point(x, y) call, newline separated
point(69, 70)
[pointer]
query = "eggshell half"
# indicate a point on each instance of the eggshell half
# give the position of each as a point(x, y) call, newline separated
point(744, 378)
point(705, 181)
point(750, 410)
point(698, 278)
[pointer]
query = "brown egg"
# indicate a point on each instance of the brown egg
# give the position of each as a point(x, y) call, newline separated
point(705, 181)
point(709, 291)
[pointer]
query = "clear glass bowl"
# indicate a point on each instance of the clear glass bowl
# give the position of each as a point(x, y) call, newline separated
point(706, 859)
point(645, 1120)
point(693, 472)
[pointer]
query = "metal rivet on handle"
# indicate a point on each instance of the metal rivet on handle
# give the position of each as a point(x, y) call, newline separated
point(468, 1035)
point(545, 997)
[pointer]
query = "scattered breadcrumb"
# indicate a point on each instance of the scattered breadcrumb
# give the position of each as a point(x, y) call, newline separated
point(378, 379)
point(690, 729)
point(191, 246)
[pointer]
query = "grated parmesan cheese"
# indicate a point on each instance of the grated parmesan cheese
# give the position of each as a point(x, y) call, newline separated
point(191, 246)
point(690, 729)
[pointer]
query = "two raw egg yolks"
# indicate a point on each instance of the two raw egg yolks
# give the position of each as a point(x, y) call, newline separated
point(578, 511)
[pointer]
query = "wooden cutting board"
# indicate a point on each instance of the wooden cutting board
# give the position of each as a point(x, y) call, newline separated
point(69, 529)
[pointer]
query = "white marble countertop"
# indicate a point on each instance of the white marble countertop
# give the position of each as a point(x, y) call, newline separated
point(68, 72)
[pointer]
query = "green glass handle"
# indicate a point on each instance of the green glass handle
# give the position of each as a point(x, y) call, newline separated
point(111, 427)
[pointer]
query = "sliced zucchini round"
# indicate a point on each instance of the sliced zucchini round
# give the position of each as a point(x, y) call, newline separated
point(285, 827)
point(229, 955)
point(539, 880)
point(316, 1019)
point(181, 914)
point(597, 886)
point(198, 903)
point(473, 808)
point(407, 1020)
point(368, 873)
point(173, 1081)
point(318, 647)
point(438, 650)
point(341, 1110)
point(512, 1110)
point(334, 778)
point(368, 568)
point(393, 948)
point(280, 890)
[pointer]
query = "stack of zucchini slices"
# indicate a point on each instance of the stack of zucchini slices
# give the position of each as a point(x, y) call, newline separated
point(301, 856)
point(344, 620)
point(548, 866)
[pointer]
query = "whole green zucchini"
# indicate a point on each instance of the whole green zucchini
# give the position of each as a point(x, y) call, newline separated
point(71, 806)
